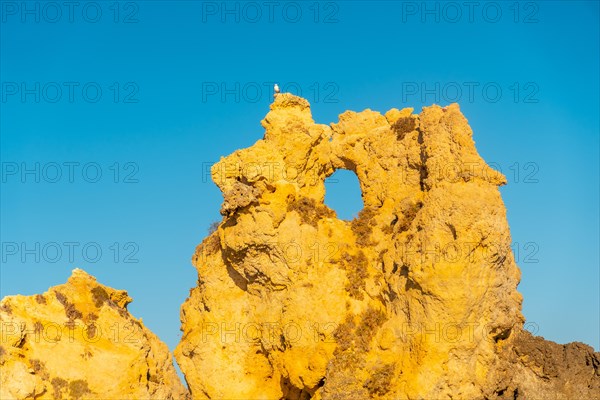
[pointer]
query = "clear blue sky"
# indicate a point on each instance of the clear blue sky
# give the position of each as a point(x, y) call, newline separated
point(192, 84)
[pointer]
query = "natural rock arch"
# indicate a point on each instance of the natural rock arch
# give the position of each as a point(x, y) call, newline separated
point(343, 194)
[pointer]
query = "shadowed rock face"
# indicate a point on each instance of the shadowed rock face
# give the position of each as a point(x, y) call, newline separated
point(78, 341)
point(415, 298)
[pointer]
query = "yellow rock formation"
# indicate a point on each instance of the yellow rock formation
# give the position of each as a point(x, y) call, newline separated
point(415, 298)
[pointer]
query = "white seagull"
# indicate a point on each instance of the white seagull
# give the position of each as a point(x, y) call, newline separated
point(276, 88)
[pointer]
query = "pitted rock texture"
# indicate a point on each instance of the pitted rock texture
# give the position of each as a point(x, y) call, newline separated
point(78, 341)
point(416, 298)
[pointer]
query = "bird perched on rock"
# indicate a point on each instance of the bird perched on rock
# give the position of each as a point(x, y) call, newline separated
point(276, 89)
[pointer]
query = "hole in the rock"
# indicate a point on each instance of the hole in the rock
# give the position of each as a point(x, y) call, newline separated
point(343, 194)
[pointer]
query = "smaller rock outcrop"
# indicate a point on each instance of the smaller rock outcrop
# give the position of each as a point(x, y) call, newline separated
point(535, 368)
point(78, 341)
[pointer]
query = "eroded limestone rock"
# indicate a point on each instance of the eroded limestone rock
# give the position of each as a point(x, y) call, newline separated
point(415, 298)
point(78, 341)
